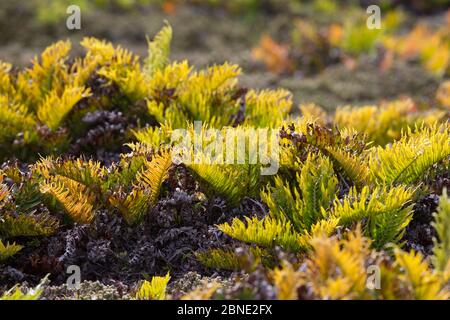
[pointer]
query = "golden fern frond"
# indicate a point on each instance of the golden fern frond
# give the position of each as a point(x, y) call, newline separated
point(441, 250)
point(16, 293)
point(15, 119)
point(48, 74)
point(86, 172)
point(313, 113)
point(419, 281)
point(55, 107)
point(4, 191)
point(158, 51)
point(154, 289)
point(6, 83)
point(133, 206)
point(267, 232)
point(267, 108)
point(380, 125)
point(287, 280)
point(28, 225)
point(154, 174)
point(336, 270)
point(154, 136)
point(408, 159)
point(8, 250)
point(76, 199)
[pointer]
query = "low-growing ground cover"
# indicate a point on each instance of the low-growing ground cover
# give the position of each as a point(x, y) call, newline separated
point(88, 179)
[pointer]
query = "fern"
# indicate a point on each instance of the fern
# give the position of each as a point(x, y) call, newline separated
point(54, 108)
point(423, 284)
point(76, 199)
point(8, 250)
point(267, 232)
point(407, 160)
point(441, 250)
point(27, 225)
point(154, 289)
point(230, 259)
point(147, 187)
point(308, 202)
point(16, 293)
point(155, 173)
point(386, 210)
point(158, 51)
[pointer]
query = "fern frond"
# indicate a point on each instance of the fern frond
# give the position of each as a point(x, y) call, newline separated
point(154, 174)
point(223, 180)
point(158, 51)
point(55, 107)
point(50, 73)
point(154, 289)
point(420, 281)
point(318, 185)
point(441, 250)
point(133, 206)
point(386, 211)
point(16, 293)
point(336, 270)
point(28, 225)
point(408, 159)
point(353, 166)
point(267, 232)
point(76, 199)
point(287, 280)
point(267, 108)
point(15, 119)
point(8, 250)
point(307, 203)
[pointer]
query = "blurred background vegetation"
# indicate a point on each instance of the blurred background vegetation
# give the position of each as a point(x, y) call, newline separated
point(321, 50)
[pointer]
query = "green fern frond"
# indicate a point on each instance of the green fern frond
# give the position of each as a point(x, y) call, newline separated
point(386, 210)
point(27, 225)
point(158, 51)
point(306, 203)
point(318, 185)
point(15, 119)
point(408, 159)
point(441, 250)
point(154, 289)
point(267, 232)
point(8, 250)
point(154, 136)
